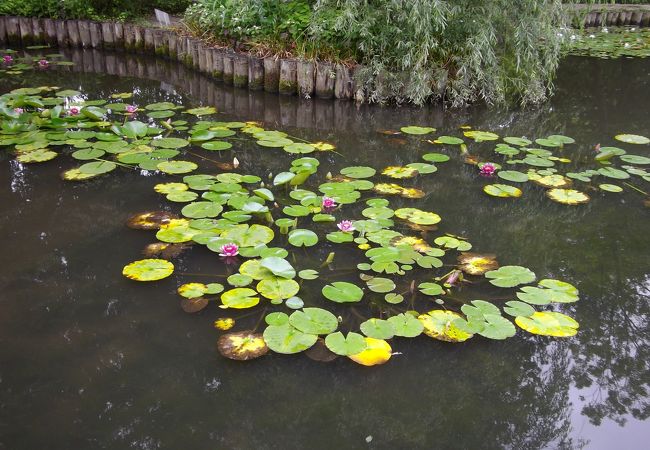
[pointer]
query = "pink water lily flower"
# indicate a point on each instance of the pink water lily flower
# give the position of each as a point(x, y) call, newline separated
point(229, 250)
point(74, 110)
point(19, 110)
point(130, 109)
point(488, 169)
point(43, 63)
point(328, 203)
point(346, 226)
point(7, 59)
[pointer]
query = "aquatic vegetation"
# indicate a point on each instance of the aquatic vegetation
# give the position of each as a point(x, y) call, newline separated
point(257, 228)
point(613, 42)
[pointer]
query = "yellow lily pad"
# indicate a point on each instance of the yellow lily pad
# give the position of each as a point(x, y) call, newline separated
point(242, 346)
point(438, 324)
point(548, 323)
point(377, 351)
point(148, 270)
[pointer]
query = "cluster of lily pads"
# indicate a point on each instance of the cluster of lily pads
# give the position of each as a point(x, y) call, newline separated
point(614, 42)
point(256, 227)
point(13, 63)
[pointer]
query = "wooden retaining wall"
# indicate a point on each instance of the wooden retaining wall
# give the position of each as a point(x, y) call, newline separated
point(600, 15)
point(285, 76)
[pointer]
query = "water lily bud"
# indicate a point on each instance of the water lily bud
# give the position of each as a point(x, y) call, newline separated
point(329, 175)
point(235, 162)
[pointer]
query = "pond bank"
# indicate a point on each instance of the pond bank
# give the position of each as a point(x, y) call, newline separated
point(285, 76)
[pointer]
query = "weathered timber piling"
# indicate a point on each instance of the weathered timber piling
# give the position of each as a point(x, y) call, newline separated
point(49, 32)
point(306, 78)
point(12, 26)
point(148, 41)
point(240, 71)
point(228, 68)
point(217, 64)
point(343, 85)
point(325, 80)
point(271, 74)
point(255, 73)
point(288, 77)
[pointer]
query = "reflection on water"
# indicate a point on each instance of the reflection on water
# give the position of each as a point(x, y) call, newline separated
point(91, 360)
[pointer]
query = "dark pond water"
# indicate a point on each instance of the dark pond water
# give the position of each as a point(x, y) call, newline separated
point(89, 359)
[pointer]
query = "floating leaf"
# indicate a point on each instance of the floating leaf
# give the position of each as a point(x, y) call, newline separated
point(399, 172)
point(377, 352)
point(240, 298)
point(224, 323)
point(381, 285)
point(288, 340)
point(203, 111)
point(448, 140)
point(351, 344)
point(176, 167)
point(417, 216)
point(377, 328)
point(635, 159)
point(342, 292)
point(477, 264)
point(216, 145)
point(358, 172)
point(406, 325)
point(480, 136)
point(555, 181)
point(632, 139)
point(548, 323)
point(513, 175)
point(199, 210)
point(431, 289)
point(510, 276)
point(567, 196)
point(278, 266)
point(502, 190)
point(438, 324)
point(314, 321)
point(516, 308)
point(435, 157)
point(148, 270)
point(276, 288)
point(417, 130)
point(308, 274)
point(242, 346)
point(302, 238)
point(248, 235)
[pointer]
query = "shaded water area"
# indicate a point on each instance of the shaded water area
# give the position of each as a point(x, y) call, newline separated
point(89, 359)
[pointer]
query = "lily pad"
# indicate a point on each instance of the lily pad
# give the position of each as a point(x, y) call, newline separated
point(502, 190)
point(632, 139)
point(406, 325)
point(176, 167)
point(548, 323)
point(567, 196)
point(240, 298)
point(276, 288)
point(510, 276)
point(513, 175)
point(148, 270)
point(302, 238)
point(358, 172)
point(242, 346)
point(314, 321)
point(351, 344)
point(288, 340)
point(377, 351)
point(417, 130)
point(438, 324)
point(342, 292)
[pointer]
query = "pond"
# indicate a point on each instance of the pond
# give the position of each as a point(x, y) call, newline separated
point(91, 359)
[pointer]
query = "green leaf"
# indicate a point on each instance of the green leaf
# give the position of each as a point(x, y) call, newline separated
point(314, 321)
point(240, 298)
point(412, 129)
point(342, 345)
point(405, 325)
point(381, 285)
point(377, 329)
point(342, 292)
point(510, 276)
point(278, 266)
point(302, 238)
point(287, 339)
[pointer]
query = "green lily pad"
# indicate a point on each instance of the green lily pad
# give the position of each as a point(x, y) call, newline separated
point(203, 111)
point(351, 344)
point(502, 190)
point(377, 329)
point(248, 235)
point(37, 156)
point(199, 210)
point(431, 289)
point(97, 167)
point(516, 308)
point(302, 238)
point(342, 292)
point(276, 288)
point(240, 298)
point(635, 159)
point(288, 340)
point(417, 130)
point(358, 172)
point(216, 145)
point(510, 276)
point(612, 172)
point(448, 140)
point(513, 175)
point(632, 139)
point(548, 323)
point(405, 325)
point(610, 188)
point(176, 167)
point(381, 285)
point(521, 142)
point(439, 324)
point(278, 266)
point(435, 157)
point(314, 321)
point(148, 270)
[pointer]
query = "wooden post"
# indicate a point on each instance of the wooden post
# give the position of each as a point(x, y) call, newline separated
point(195, 53)
point(209, 64)
point(288, 77)
point(49, 31)
point(325, 79)
point(38, 35)
point(306, 78)
point(217, 64)
point(184, 53)
point(149, 44)
point(636, 18)
point(118, 36)
point(255, 73)
point(160, 46)
point(25, 24)
point(228, 68)
point(84, 33)
point(271, 74)
point(62, 39)
point(170, 36)
point(73, 33)
point(95, 35)
point(240, 71)
point(343, 86)
point(203, 60)
point(359, 94)
point(645, 21)
point(3, 30)
point(138, 38)
point(129, 37)
point(12, 25)
point(108, 35)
